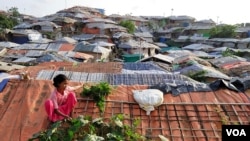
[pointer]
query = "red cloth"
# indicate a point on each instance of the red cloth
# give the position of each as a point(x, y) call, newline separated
point(65, 108)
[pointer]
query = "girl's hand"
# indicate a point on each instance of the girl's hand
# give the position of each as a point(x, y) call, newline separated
point(68, 117)
point(82, 84)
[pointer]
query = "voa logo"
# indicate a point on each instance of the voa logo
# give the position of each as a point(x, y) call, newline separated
point(236, 132)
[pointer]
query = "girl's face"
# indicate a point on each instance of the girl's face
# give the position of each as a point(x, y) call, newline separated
point(63, 85)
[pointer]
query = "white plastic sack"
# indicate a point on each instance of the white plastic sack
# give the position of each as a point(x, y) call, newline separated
point(148, 99)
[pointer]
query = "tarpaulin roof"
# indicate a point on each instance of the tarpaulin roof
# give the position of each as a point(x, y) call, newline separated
point(102, 43)
point(99, 20)
point(203, 47)
point(161, 57)
point(34, 53)
point(24, 59)
point(210, 72)
point(137, 44)
point(54, 47)
point(63, 19)
point(34, 46)
point(48, 58)
point(222, 61)
point(73, 54)
point(91, 48)
point(66, 40)
point(8, 44)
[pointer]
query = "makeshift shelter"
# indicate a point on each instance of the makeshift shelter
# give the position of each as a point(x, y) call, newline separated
point(45, 26)
point(202, 47)
point(77, 55)
point(25, 60)
point(98, 52)
point(66, 40)
point(138, 47)
point(104, 44)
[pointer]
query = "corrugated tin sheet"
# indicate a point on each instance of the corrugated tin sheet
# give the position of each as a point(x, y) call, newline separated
point(66, 47)
point(33, 46)
point(34, 53)
point(137, 44)
point(8, 44)
point(141, 66)
point(174, 83)
point(45, 75)
point(54, 47)
point(220, 62)
point(24, 60)
point(91, 48)
point(113, 79)
point(73, 54)
point(99, 20)
point(143, 34)
point(84, 37)
point(163, 58)
point(49, 58)
point(84, 48)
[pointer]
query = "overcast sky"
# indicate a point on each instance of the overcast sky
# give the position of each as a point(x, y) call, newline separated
point(221, 11)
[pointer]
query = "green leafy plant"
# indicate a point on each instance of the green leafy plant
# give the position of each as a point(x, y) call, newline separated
point(129, 25)
point(229, 52)
point(199, 76)
point(98, 92)
point(88, 129)
point(224, 118)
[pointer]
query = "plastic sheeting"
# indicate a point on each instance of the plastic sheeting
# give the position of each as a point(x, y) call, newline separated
point(241, 84)
point(177, 87)
point(4, 78)
point(210, 72)
point(3, 84)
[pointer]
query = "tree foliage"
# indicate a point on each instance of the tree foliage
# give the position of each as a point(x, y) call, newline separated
point(129, 25)
point(14, 12)
point(198, 76)
point(223, 31)
point(11, 20)
point(6, 22)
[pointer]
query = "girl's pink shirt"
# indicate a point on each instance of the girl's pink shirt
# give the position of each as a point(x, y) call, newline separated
point(58, 99)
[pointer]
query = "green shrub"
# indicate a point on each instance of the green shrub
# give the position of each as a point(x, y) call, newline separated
point(98, 92)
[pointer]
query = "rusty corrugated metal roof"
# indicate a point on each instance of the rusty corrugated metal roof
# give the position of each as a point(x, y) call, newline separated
point(189, 116)
point(66, 47)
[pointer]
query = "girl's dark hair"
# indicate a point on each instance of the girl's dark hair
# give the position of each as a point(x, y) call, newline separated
point(59, 79)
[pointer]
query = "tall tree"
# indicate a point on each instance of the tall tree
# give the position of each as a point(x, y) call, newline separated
point(223, 31)
point(14, 12)
point(5, 22)
point(14, 15)
point(129, 25)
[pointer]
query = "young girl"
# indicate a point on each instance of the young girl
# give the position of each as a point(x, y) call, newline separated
point(62, 99)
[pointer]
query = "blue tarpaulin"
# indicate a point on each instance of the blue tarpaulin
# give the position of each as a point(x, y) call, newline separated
point(3, 84)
